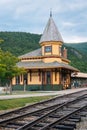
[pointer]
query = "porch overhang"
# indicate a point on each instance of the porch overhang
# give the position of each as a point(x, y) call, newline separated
point(42, 65)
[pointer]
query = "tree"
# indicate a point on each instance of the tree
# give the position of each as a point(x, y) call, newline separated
point(1, 40)
point(8, 67)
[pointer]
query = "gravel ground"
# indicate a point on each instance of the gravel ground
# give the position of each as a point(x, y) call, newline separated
point(80, 126)
point(83, 124)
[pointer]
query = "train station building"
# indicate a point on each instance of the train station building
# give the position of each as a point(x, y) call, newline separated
point(79, 79)
point(47, 67)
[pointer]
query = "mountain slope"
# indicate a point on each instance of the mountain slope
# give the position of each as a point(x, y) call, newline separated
point(79, 46)
point(78, 59)
point(20, 43)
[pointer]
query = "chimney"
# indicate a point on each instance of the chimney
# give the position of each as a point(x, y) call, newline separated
point(65, 53)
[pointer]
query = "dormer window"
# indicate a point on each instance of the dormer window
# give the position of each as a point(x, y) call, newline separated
point(48, 49)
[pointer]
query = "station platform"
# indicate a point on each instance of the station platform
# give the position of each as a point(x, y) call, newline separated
point(41, 93)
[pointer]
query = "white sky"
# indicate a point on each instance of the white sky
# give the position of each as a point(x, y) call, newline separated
point(31, 16)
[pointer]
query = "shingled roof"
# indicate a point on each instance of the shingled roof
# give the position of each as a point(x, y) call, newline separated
point(41, 64)
point(35, 53)
point(51, 32)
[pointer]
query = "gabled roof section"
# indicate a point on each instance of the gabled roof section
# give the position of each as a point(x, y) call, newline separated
point(51, 32)
point(37, 52)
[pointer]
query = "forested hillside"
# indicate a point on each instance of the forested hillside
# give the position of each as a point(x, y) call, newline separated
point(77, 53)
point(78, 59)
point(19, 43)
point(80, 47)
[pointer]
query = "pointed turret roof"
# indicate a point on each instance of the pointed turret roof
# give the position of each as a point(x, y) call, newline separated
point(51, 32)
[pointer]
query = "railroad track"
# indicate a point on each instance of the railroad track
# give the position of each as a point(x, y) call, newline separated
point(39, 116)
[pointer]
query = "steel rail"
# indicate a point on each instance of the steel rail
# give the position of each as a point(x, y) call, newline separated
point(39, 103)
point(51, 125)
point(27, 114)
point(41, 110)
point(29, 125)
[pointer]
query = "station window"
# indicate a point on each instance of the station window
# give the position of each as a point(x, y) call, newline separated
point(39, 74)
point(48, 48)
point(18, 80)
point(55, 75)
point(30, 76)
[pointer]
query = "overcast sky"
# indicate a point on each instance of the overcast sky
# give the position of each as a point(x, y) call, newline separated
point(31, 16)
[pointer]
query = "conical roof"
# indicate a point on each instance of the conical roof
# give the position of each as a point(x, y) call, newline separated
point(51, 32)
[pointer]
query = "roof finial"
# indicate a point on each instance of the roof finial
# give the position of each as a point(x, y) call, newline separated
point(51, 12)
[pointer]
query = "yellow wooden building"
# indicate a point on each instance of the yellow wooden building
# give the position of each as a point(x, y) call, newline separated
point(47, 67)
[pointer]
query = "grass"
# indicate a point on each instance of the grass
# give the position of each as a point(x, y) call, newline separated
point(20, 102)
